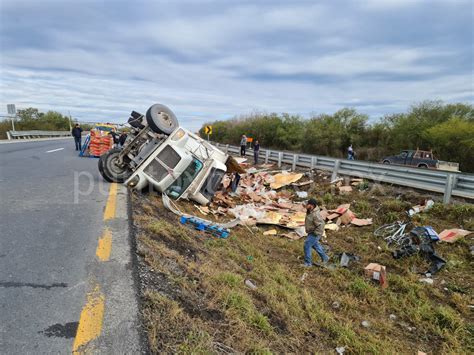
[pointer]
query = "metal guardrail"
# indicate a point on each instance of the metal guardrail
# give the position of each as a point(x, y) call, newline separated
point(444, 182)
point(36, 134)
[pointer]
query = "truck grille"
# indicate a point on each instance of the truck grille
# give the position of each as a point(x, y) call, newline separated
point(156, 170)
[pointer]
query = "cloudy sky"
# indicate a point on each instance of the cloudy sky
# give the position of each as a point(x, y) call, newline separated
point(212, 60)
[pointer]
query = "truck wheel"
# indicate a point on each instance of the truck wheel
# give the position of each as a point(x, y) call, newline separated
point(161, 119)
point(109, 170)
point(386, 162)
point(424, 166)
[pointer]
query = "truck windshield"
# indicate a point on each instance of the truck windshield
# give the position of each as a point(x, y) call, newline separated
point(184, 180)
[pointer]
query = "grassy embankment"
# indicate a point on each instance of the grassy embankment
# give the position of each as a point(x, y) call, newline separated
point(195, 298)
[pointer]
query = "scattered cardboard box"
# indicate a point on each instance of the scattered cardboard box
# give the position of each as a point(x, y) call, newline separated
point(280, 180)
point(361, 221)
point(377, 272)
point(345, 189)
point(270, 232)
point(451, 235)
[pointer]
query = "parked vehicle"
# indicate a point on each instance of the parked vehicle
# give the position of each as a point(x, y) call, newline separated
point(161, 154)
point(421, 159)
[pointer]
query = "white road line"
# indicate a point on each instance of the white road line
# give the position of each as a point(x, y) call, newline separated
point(54, 150)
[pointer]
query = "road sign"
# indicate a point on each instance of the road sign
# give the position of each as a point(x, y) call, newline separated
point(208, 130)
point(11, 109)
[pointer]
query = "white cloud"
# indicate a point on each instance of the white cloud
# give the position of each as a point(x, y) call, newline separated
point(214, 64)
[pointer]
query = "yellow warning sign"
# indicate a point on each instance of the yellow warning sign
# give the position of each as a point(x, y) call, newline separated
point(208, 130)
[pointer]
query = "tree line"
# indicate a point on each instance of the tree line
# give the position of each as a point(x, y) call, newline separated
point(32, 119)
point(447, 129)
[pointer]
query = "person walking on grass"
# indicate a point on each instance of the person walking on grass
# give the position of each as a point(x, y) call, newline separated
point(243, 145)
point(77, 134)
point(314, 225)
point(256, 150)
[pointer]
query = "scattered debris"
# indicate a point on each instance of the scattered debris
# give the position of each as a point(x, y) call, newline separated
point(270, 232)
point(422, 240)
point(302, 194)
point(206, 226)
point(250, 284)
point(331, 226)
point(340, 350)
point(204, 209)
point(378, 273)
point(301, 184)
point(365, 324)
point(361, 221)
point(451, 235)
point(392, 317)
point(421, 208)
point(284, 179)
point(336, 180)
point(347, 258)
point(336, 305)
point(303, 277)
point(345, 189)
point(426, 280)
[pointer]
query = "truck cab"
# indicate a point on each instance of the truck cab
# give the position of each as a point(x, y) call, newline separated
point(183, 166)
point(160, 154)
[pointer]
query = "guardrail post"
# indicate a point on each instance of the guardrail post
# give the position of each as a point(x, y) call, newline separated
point(267, 156)
point(295, 158)
point(280, 158)
point(9, 136)
point(314, 162)
point(337, 165)
point(448, 190)
point(227, 149)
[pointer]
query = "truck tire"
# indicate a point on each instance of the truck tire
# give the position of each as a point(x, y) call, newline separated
point(386, 162)
point(424, 166)
point(110, 171)
point(161, 119)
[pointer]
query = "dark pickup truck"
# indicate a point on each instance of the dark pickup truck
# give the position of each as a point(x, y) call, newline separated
point(421, 159)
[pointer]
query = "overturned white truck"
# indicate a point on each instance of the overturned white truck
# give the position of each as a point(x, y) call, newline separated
point(161, 154)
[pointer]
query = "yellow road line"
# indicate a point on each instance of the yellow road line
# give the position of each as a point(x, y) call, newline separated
point(104, 247)
point(109, 212)
point(90, 323)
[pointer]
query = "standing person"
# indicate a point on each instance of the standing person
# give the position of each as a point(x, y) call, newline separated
point(314, 226)
point(115, 137)
point(77, 134)
point(256, 150)
point(350, 153)
point(243, 145)
point(122, 138)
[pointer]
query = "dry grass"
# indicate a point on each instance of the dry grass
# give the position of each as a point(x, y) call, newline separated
point(197, 300)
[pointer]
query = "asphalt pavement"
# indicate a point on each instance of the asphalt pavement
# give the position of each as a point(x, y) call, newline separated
point(53, 215)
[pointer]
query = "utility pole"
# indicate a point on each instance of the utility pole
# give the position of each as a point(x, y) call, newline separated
point(70, 121)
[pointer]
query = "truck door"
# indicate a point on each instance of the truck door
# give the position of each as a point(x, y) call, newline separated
point(401, 158)
point(410, 158)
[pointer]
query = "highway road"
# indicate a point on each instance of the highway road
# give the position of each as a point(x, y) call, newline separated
point(65, 255)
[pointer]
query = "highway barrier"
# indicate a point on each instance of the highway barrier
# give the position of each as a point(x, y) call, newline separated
point(447, 183)
point(36, 134)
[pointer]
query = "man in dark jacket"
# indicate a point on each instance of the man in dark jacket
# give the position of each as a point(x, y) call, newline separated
point(77, 134)
point(314, 225)
point(122, 138)
point(256, 151)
